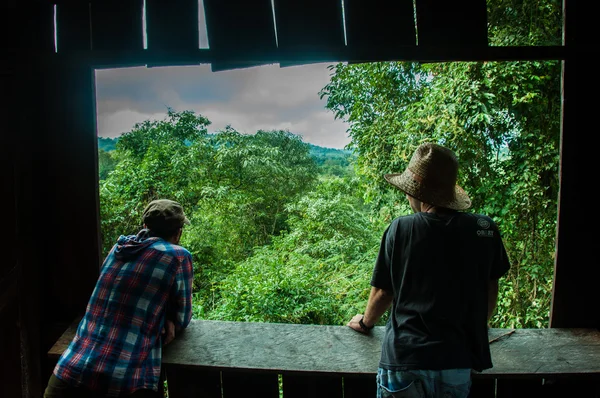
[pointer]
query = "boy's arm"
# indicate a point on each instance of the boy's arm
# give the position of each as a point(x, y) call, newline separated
point(379, 301)
point(181, 312)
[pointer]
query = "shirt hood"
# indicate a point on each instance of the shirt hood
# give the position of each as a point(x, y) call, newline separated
point(129, 247)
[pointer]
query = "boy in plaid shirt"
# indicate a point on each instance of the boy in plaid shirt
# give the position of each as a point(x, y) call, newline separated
point(143, 294)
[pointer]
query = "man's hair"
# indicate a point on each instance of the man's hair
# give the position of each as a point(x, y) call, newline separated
point(165, 233)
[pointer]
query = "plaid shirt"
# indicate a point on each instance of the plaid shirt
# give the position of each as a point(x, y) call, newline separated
point(118, 345)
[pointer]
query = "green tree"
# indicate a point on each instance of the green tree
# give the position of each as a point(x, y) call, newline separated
point(313, 273)
point(154, 161)
point(244, 193)
point(106, 164)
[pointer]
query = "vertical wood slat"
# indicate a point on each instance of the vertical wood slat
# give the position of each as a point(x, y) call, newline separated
point(483, 388)
point(73, 28)
point(10, 377)
point(314, 386)
point(240, 384)
point(35, 30)
point(185, 382)
point(571, 388)
point(380, 23)
point(239, 29)
point(172, 25)
point(117, 25)
point(575, 277)
point(506, 388)
point(360, 386)
point(30, 185)
point(452, 23)
point(73, 260)
point(10, 158)
point(309, 26)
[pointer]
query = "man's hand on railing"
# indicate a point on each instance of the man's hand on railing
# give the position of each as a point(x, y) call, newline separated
point(355, 323)
point(168, 332)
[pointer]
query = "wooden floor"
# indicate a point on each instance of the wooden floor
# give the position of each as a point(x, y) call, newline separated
point(215, 358)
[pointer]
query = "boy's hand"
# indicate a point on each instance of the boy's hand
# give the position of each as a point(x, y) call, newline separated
point(168, 332)
point(354, 324)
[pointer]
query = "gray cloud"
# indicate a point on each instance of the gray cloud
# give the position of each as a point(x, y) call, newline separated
point(265, 97)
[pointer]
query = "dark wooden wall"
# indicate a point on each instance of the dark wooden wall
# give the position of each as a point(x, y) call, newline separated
point(49, 148)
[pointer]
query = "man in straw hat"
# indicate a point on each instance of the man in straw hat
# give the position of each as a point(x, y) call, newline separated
point(438, 269)
point(143, 294)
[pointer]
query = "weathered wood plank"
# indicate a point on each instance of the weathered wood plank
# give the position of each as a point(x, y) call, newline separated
point(275, 347)
point(312, 385)
point(546, 352)
point(321, 350)
point(316, 348)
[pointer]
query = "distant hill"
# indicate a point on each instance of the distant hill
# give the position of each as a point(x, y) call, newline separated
point(107, 144)
point(319, 153)
point(330, 161)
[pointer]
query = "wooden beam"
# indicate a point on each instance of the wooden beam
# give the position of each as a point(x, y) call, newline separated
point(116, 59)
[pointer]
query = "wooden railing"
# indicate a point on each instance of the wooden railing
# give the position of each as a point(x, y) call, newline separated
point(237, 359)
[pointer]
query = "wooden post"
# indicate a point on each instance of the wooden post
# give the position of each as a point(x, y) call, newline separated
point(576, 274)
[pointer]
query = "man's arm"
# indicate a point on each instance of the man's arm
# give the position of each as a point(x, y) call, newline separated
point(379, 301)
point(181, 313)
point(492, 298)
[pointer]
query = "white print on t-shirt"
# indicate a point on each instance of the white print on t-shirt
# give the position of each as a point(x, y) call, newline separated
point(483, 223)
point(484, 233)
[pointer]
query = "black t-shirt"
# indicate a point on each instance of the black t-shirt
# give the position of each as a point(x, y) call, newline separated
point(438, 268)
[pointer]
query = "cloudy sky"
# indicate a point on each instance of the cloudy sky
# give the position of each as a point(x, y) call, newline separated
point(263, 97)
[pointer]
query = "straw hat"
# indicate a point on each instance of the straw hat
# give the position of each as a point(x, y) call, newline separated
point(431, 178)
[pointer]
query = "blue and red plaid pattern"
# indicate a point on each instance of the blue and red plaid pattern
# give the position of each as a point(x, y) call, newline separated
point(118, 345)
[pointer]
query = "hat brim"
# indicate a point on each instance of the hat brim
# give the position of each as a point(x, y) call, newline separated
point(407, 182)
